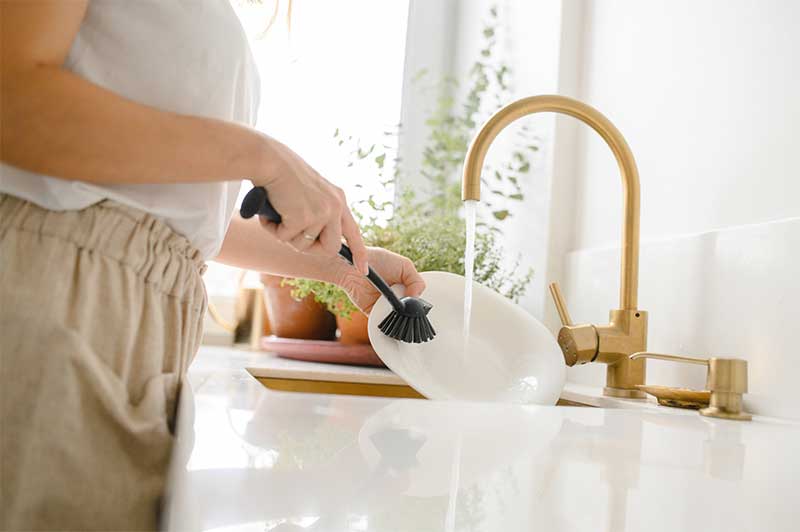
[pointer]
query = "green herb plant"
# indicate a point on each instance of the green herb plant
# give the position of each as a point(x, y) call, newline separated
point(428, 228)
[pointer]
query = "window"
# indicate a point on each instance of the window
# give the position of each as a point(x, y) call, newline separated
point(340, 65)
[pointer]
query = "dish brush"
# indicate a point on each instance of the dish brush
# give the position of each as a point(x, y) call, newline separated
point(408, 321)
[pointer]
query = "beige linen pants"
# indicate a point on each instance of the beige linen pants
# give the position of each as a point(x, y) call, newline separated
point(100, 314)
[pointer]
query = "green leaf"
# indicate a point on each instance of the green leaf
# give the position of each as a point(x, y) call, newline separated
point(501, 215)
point(361, 153)
point(517, 196)
point(488, 32)
point(524, 168)
point(380, 159)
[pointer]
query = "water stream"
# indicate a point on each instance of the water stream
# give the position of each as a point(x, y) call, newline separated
point(455, 482)
point(470, 208)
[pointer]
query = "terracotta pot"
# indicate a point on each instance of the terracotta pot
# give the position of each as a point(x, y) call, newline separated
point(290, 318)
point(353, 330)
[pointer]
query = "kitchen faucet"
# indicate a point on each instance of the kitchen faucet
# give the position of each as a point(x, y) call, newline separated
point(626, 332)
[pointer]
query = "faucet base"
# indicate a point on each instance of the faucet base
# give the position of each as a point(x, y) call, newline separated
point(624, 393)
point(625, 334)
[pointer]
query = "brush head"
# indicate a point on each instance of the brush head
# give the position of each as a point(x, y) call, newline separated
point(411, 324)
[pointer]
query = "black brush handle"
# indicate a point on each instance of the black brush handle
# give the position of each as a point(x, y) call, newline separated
point(257, 202)
point(376, 280)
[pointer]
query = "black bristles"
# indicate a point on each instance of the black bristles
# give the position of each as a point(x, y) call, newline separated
point(407, 328)
point(430, 332)
point(401, 329)
point(388, 322)
point(407, 331)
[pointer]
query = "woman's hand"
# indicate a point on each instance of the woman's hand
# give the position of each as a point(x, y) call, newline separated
point(248, 246)
point(314, 212)
point(394, 268)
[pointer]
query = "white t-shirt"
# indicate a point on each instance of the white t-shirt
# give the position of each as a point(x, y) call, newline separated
point(184, 56)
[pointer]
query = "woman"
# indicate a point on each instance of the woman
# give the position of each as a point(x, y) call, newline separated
point(126, 131)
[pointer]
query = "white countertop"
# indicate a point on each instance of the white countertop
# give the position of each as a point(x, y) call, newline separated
point(249, 458)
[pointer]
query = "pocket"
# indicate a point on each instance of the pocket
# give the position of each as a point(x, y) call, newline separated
point(144, 418)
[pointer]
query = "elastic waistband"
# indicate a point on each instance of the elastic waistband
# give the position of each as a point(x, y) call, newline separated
point(132, 237)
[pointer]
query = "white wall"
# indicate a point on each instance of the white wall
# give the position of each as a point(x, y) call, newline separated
point(706, 94)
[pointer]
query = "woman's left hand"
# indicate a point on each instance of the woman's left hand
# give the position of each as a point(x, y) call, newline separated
point(394, 268)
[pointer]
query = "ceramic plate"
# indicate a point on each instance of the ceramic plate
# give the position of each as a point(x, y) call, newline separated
point(509, 356)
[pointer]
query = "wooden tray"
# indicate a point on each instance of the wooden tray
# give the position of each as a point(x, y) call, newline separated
point(322, 351)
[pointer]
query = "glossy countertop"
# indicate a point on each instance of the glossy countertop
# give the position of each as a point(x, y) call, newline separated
point(248, 458)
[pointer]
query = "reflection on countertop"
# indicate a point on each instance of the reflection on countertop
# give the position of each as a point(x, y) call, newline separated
point(249, 458)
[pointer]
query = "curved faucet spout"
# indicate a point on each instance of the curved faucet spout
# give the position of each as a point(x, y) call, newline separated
point(473, 165)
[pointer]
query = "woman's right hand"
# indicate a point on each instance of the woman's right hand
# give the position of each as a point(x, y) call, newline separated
point(315, 215)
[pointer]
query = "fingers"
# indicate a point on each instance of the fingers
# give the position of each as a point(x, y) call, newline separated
point(307, 238)
point(330, 239)
point(291, 228)
point(411, 278)
point(352, 234)
point(399, 269)
point(319, 215)
point(308, 214)
point(269, 226)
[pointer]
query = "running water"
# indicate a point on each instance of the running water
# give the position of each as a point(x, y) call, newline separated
point(470, 207)
point(455, 482)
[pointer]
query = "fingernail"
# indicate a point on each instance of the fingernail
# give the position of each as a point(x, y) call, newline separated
point(365, 271)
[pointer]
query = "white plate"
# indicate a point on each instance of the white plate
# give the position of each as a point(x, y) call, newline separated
point(510, 356)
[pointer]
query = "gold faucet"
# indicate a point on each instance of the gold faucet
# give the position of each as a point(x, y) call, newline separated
point(626, 332)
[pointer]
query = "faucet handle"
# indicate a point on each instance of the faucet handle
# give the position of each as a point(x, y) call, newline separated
point(578, 343)
point(726, 380)
point(561, 305)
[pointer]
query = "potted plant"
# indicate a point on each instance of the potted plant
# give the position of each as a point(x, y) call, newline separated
point(295, 316)
point(350, 321)
point(428, 228)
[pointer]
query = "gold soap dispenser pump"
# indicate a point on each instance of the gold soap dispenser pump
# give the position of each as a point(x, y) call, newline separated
point(726, 380)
